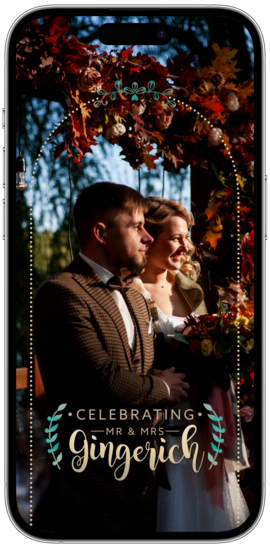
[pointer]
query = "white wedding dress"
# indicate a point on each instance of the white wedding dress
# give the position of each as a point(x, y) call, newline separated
point(188, 506)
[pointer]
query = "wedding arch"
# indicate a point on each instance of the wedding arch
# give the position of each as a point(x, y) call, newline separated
point(176, 112)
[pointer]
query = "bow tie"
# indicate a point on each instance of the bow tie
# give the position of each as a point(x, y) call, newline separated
point(116, 282)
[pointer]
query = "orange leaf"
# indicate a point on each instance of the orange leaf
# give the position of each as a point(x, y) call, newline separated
point(212, 209)
point(212, 237)
point(222, 63)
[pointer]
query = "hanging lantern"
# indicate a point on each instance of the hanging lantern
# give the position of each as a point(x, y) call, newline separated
point(21, 183)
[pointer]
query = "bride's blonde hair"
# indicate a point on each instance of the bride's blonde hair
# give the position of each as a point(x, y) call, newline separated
point(159, 211)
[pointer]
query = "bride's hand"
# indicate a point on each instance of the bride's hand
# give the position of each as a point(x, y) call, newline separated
point(175, 382)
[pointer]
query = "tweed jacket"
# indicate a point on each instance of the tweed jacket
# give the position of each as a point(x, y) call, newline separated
point(85, 361)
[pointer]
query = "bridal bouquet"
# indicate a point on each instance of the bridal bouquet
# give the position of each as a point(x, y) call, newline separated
point(214, 339)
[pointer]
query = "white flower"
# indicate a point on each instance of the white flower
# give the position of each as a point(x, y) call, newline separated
point(207, 347)
point(111, 132)
point(215, 136)
point(139, 108)
point(232, 102)
point(250, 169)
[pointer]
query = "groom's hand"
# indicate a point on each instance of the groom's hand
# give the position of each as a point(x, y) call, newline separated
point(175, 382)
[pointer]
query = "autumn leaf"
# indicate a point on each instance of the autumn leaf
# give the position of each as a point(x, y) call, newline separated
point(149, 159)
point(125, 52)
point(212, 103)
point(223, 193)
point(222, 63)
point(158, 136)
point(212, 237)
point(212, 209)
point(229, 294)
point(240, 181)
point(215, 224)
point(146, 135)
point(201, 127)
point(59, 149)
point(243, 91)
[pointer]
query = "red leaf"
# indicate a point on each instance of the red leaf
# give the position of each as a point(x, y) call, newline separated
point(134, 69)
point(212, 103)
point(76, 161)
point(59, 149)
point(125, 52)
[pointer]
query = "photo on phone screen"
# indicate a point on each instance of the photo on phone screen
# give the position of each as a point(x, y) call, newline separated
point(135, 232)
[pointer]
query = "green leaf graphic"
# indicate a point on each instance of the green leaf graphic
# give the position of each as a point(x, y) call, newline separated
point(216, 428)
point(53, 438)
point(214, 447)
point(151, 85)
point(216, 438)
point(210, 457)
point(53, 428)
point(118, 85)
point(168, 92)
point(56, 417)
point(213, 418)
point(207, 406)
point(62, 406)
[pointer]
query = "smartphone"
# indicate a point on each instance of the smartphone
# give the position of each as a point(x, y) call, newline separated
point(135, 201)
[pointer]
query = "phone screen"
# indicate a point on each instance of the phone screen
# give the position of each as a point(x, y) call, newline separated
point(134, 345)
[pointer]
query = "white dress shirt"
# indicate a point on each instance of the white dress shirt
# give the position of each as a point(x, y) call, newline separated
point(105, 275)
point(117, 296)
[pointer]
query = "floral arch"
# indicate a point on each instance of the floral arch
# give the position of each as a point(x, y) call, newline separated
point(202, 118)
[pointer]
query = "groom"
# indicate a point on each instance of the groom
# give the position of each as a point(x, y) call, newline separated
point(95, 348)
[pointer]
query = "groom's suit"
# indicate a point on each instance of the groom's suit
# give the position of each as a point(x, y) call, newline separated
point(86, 361)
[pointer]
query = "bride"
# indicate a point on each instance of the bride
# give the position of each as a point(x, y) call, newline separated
point(168, 283)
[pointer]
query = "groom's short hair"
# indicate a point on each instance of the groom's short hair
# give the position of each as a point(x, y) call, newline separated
point(101, 202)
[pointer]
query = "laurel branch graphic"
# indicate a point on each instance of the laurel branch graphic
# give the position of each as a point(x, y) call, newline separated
point(135, 91)
point(51, 439)
point(218, 439)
